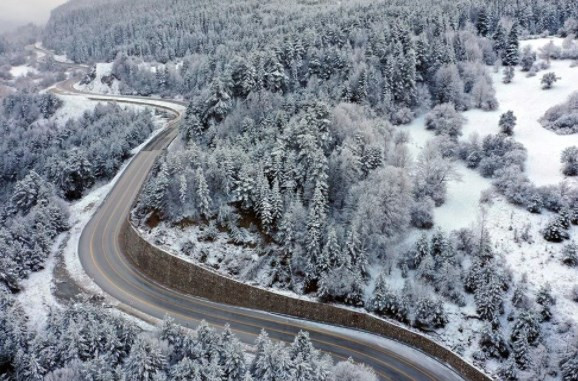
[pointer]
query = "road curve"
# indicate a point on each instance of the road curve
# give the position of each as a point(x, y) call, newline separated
point(103, 261)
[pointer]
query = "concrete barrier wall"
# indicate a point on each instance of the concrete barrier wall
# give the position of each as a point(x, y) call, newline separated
point(191, 279)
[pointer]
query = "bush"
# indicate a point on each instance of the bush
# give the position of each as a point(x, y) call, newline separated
point(570, 254)
point(563, 118)
point(569, 160)
point(507, 123)
point(445, 120)
point(527, 59)
point(422, 213)
point(402, 116)
point(548, 80)
point(555, 232)
point(430, 314)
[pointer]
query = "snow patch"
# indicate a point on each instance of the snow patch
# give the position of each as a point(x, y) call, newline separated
point(103, 82)
point(22, 71)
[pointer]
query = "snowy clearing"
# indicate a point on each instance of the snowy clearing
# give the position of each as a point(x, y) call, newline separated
point(22, 71)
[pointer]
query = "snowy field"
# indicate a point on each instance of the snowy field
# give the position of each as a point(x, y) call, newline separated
point(529, 102)
point(22, 71)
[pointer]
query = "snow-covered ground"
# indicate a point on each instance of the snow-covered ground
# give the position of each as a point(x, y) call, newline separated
point(22, 71)
point(529, 102)
point(103, 82)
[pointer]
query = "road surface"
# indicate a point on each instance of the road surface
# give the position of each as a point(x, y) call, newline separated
point(104, 262)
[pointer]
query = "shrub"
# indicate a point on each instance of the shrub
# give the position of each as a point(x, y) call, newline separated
point(507, 123)
point(563, 118)
point(430, 314)
point(555, 232)
point(445, 120)
point(570, 254)
point(569, 160)
point(548, 80)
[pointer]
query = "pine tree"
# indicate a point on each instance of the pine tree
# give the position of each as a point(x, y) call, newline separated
point(28, 367)
point(232, 358)
point(315, 225)
point(331, 254)
point(555, 231)
point(303, 347)
point(570, 254)
point(507, 123)
point(482, 23)
point(276, 202)
point(489, 300)
point(186, 370)
point(545, 299)
point(144, 360)
point(526, 325)
point(386, 303)
point(570, 368)
point(203, 198)
point(508, 371)
point(500, 42)
point(191, 126)
point(508, 74)
point(355, 252)
point(512, 54)
point(422, 249)
point(521, 352)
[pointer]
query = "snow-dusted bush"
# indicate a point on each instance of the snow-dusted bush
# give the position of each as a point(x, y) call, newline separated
point(569, 159)
point(569, 254)
point(574, 294)
point(496, 152)
point(509, 73)
point(445, 120)
point(432, 174)
point(402, 116)
point(429, 314)
point(386, 302)
point(555, 231)
point(507, 123)
point(563, 118)
point(342, 285)
point(569, 368)
point(552, 198)
point(528, 58)
point(493, 343)
point(548, 80)
point(449, 88)
point(347, 371)
point(550, 51)
point(422, 213)
point(517, 188)
point(483, 95)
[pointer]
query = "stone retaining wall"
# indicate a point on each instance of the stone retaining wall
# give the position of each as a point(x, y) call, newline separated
point(191, 279)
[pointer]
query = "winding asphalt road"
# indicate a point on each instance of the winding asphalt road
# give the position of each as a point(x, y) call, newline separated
point(104, 262)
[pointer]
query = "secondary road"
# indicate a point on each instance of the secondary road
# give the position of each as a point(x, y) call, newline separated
point(104, 262)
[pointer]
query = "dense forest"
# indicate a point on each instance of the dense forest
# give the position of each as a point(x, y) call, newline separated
point(293, 148)
point(45, 164)
point(84, 342)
